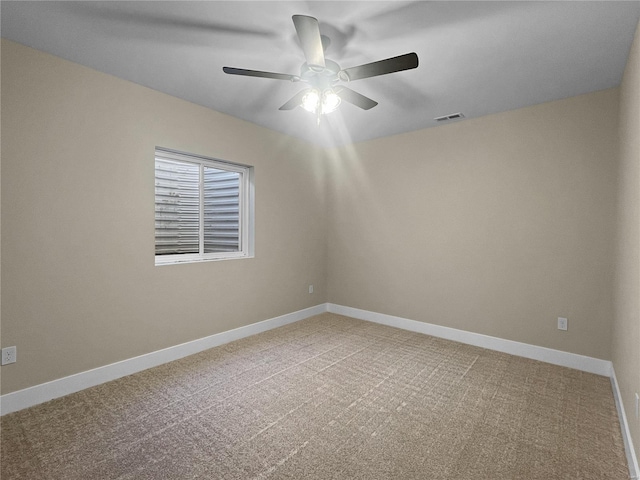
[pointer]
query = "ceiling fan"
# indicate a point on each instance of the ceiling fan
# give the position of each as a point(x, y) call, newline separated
point(323, 76)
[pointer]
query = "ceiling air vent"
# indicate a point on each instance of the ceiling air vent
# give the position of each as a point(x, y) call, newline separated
point(452, 116)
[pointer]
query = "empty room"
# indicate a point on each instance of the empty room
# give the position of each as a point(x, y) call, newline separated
point(320, 240)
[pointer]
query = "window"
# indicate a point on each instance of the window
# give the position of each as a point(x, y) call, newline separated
point(204, 208)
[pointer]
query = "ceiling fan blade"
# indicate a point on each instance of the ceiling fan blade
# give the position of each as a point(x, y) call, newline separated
point(355, 98)
point(382, 67)
point(295, 101)
point(258, 73)
point(310, 40)
point(326, 42)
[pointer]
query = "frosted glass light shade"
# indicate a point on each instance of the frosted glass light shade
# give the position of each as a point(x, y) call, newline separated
point(327, 102)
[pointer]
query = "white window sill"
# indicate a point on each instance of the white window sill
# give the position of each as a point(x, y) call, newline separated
point(159, 261)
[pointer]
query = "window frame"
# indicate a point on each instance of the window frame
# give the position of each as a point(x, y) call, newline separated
point(246, 222)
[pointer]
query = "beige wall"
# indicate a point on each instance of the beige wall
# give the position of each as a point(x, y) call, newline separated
point(496, 225)
point(79, 285)
point(626, 322)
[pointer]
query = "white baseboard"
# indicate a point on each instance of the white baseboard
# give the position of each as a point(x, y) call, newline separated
point(556, 357)
point(634, 470)
point(12, 402)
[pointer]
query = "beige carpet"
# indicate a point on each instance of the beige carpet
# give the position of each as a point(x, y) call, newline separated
point(327, 398)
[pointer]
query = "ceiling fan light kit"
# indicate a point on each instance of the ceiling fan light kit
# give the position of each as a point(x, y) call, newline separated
point(323, 102)
point(325, 94)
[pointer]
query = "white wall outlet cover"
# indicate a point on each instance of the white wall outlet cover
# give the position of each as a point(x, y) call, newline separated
point(562, 323)
point(310, 288)
point(9, 355)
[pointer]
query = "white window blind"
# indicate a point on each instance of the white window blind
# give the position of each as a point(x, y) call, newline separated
point(177, 207)
point(203, 208)
point(221, 210)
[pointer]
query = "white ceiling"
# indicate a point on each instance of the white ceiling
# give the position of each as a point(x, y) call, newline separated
point(475, 57)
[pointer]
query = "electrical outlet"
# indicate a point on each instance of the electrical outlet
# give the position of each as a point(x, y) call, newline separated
point(310, 288)
point(9, 355)
point(562, 323)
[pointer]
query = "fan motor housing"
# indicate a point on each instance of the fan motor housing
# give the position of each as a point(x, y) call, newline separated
point(320, 78)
